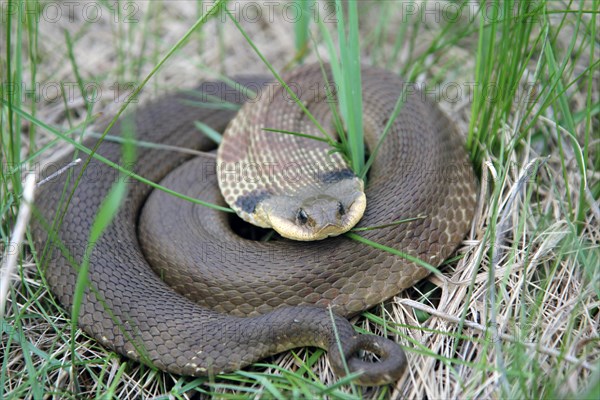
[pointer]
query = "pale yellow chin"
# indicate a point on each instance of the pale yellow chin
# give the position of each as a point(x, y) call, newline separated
point(292, 231)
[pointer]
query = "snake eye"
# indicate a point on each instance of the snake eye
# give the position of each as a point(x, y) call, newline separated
point(301, 216)
point(341, 208)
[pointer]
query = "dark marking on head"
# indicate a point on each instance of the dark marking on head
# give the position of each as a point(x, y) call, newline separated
point(249, 202)
point(336, 176)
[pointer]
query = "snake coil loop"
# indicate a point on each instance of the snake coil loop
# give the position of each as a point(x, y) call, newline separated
point(217, 302)
point(389, 367)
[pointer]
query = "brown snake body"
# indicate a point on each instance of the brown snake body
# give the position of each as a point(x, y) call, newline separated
point(229, 301)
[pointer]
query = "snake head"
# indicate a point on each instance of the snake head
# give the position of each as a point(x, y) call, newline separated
point(318, 212)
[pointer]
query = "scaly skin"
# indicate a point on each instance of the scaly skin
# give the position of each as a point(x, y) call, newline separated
point(227, 301)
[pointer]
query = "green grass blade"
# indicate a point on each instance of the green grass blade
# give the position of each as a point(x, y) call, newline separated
point(299, 134)
point(116, 166)
point(395, 112)
point(278, 77)
point(201, 21)
point(353, 84)
point(393, 251)
point(107, 211)
point(208, 132)
point(402, 221)
point(336, 72)
point(301, 26)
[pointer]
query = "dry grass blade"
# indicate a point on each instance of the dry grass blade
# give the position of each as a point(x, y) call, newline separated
point(13, 250)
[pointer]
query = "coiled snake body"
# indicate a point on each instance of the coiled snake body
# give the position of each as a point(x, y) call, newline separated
point(229, 301)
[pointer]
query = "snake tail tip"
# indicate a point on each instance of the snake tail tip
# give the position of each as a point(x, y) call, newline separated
point(388, 368)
